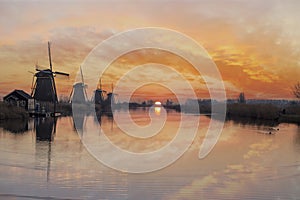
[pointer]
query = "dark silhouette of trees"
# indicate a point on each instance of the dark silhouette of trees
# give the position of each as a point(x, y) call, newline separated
point(296, 90)
point(242, 98)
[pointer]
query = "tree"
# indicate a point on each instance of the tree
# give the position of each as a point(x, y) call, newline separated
point(242, 98)
point(63, 99)
point(296, 90)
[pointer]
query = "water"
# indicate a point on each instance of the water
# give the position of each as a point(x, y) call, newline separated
point(246, 163)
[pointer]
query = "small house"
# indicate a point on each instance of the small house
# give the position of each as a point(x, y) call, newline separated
point(20, 98)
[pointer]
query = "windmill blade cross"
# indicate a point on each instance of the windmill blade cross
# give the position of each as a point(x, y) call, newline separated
point(81, 75)
point(39, 68)
point(49, 52)
point(62, 73)
point(83, 83)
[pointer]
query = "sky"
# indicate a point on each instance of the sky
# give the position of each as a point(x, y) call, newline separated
point(255, 44)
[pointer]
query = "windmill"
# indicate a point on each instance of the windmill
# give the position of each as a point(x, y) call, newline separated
point(111, 96)
point(99, 95)
point(78, 93)
point(109, 102)
point(44, 88)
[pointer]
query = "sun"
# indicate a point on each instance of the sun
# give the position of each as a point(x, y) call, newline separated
point(157, 103)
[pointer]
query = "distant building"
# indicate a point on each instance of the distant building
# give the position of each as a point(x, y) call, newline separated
point(19, 98)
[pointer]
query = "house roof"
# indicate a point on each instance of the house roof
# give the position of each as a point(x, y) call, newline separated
point(19, 92)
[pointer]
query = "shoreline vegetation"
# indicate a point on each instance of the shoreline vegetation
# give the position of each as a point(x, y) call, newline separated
point(287, 114)
point(12, 112)
point(235, 111)
point(256, 112)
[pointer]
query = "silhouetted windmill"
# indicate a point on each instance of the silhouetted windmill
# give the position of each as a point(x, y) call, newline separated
point(99, 95)
point(78, 93)
point(44, 88)
point(111, 96)
point(109, 102)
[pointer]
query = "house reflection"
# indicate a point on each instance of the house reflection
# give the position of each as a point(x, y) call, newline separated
point(18, 125)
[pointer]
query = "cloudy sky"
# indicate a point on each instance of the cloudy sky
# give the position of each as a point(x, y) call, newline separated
point(255, 44)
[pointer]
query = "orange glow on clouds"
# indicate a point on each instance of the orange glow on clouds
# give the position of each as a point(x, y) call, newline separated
point(256, 45)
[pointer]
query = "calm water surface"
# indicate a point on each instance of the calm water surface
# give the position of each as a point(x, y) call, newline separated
point(246, 163)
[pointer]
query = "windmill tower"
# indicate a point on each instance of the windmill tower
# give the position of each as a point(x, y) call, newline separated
point(78, 93)
point(99, 95)
point(111, 97)
point(44, 89)
point(108, 103)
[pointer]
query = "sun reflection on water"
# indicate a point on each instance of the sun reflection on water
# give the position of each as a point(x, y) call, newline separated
point(157, 110)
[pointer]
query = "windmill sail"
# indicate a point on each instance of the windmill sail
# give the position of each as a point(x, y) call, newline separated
point(44, 88)
point(79, 94)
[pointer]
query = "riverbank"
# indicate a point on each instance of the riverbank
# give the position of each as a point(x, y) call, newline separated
point(287, 114)
point(289, 119)
point(8, 111)
point(12, 112)
point(255, 112)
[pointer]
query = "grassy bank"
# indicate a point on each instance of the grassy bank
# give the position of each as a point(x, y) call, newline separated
point(12, 112)
point(290, 118)
point(287, 114)
point(253, 111)
point(290, 114)
point(236, 112)
point(64, 108)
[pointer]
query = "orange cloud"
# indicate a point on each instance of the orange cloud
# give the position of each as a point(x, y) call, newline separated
point(256, 45)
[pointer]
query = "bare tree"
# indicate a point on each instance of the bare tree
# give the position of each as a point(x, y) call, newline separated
point(296, 90)
point(63, 99)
